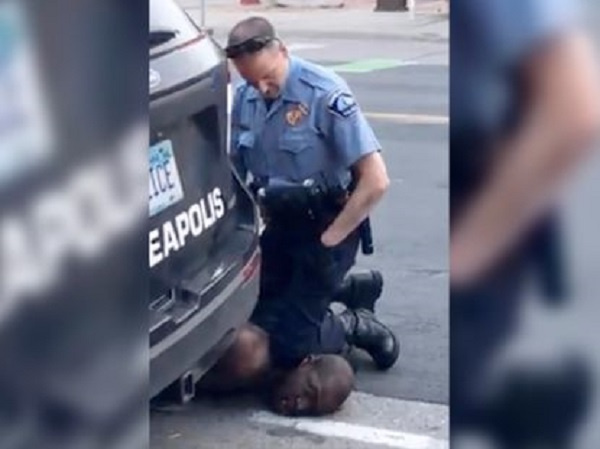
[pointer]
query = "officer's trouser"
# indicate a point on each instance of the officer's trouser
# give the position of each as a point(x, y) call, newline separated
point(482, 319)
point(298, 278)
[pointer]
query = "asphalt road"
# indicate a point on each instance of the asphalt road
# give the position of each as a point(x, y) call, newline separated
point(407, 106)
point(410, 227)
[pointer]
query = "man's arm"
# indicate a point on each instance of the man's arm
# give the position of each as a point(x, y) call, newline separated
point(356, 147)
point(557, 131)
point(372, 183)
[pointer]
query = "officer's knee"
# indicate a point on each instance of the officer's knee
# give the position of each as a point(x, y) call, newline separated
point(249, 354)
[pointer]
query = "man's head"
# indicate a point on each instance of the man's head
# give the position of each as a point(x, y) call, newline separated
point(319, 386)
point(258, 55)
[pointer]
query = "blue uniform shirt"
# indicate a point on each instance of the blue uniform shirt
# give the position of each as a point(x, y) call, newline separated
point(314, 127)
point(490, 41)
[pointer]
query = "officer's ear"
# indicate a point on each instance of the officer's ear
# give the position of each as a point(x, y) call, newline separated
point(283, 48)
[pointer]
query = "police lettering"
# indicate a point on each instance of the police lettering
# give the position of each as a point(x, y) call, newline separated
point(175, 234)
point(160, 179)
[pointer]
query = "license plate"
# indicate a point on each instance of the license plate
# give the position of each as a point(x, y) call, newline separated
point(165, 183)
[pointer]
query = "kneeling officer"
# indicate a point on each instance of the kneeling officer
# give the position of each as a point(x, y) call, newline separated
point(299, 133)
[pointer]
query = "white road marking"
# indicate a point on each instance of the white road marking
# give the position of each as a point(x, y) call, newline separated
point(355, 432)
point(415, 119)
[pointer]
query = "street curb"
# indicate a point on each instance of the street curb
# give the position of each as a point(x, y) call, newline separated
point(292, 22)
point(417, 32)
point(280, 7)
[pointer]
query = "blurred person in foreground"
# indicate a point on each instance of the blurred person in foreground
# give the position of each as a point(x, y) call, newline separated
point(525, 109)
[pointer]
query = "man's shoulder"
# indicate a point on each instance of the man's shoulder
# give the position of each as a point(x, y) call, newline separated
point(242, 90)
point(319, 77)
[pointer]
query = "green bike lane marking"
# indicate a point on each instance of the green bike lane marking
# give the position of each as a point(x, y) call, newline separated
point(370, 65)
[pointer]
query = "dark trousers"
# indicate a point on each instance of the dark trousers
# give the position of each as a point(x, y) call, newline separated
point(298, 279)
point(482, 319)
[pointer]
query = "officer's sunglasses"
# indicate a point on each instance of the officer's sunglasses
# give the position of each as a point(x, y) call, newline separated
point(248, 47)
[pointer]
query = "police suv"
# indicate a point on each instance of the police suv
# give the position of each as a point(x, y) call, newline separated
point(203, 226)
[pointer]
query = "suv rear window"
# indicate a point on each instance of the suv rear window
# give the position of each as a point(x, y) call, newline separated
point(169, 25)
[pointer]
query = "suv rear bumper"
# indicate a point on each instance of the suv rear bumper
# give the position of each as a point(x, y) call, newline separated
point(199, 343)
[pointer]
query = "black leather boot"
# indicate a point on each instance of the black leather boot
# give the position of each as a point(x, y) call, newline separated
point(366, 332)
point(360, 290)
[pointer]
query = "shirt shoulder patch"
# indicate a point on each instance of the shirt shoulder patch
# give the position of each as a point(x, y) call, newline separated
point(342, 104)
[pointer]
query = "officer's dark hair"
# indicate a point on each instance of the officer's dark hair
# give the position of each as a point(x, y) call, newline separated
point(254, 29)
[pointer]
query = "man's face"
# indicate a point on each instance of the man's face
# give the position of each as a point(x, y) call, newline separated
point(298, 394)
point(265, 70)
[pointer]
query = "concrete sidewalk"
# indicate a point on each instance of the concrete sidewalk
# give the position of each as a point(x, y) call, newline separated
point(364, 422)
point(336, 23)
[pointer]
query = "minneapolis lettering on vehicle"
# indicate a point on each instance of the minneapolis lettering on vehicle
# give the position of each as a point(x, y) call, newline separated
point(79, 218)
point(174, 234)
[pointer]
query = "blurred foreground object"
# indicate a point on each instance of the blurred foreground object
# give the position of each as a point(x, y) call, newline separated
point(525, 108)
point(539, 405)
point(25, 131)
point(73, 197)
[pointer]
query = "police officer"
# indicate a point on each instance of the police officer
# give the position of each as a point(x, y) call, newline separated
point(292, 121)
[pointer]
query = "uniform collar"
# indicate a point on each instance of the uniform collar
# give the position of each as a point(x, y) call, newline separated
point(289, 92)
point(290, 89)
